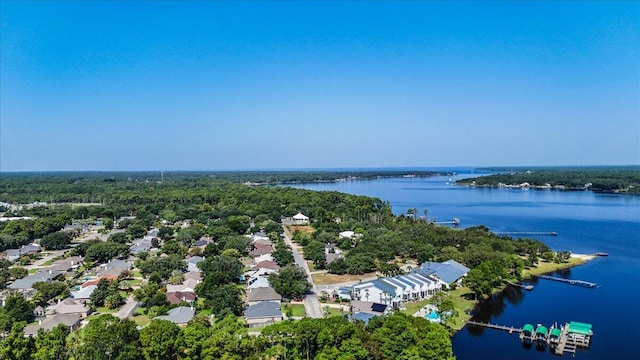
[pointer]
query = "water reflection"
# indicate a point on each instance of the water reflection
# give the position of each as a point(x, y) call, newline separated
point(513, 295)
point(495, 305)
point(565, 273)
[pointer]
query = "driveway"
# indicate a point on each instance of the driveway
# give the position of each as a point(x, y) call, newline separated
point(127, 309)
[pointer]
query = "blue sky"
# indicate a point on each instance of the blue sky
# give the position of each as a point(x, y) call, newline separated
point(252, 85)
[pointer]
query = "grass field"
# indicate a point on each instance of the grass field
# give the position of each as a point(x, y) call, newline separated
point(141, 320)
point(332, 311)
point(547, 267)
point(297, 310)
point(329, 279)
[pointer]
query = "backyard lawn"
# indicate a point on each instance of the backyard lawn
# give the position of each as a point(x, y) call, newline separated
point(297, 310)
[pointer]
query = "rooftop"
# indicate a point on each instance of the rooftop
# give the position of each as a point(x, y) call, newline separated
point(179, 315)
point(265, 309)
point(263, 294)
point(448, 271)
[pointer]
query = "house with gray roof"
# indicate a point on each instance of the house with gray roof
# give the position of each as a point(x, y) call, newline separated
point(141, 245)
point(70, 320)
point(262, 314)
point(260, 294)
point(447, 273)
point(113, 268)
point(15, 254)
point(26, 283)
point(192, 263)
point(179, 316)
point(369, 307)
point(66, 265)
point(202, 243)
point(84, 294)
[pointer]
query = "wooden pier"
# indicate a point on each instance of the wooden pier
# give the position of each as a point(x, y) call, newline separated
point(569, 281)
point(527, 233)
point(572, 335)
point(453, 222)
point(526, 287)
point(559, 350)
point(509, 329)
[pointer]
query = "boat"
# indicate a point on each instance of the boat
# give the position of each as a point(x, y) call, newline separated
point(601, 254)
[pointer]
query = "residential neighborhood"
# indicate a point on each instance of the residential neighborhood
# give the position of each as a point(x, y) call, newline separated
point(263, 305)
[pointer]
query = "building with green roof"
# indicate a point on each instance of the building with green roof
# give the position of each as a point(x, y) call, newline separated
point(554, 335)
point(580, 328)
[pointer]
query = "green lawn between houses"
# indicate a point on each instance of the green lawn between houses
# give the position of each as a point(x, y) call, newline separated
point(297, 310)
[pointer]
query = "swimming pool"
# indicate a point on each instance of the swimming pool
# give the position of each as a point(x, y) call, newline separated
point(433, 316)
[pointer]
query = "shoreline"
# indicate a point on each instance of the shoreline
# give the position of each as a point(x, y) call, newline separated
point(560, 188)
point(463, 304)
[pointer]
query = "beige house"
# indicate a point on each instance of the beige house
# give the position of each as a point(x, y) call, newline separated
point(300, 219)
point(72, 306)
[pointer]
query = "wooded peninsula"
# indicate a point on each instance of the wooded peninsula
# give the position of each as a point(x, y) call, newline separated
point(620, 180)
point(97, 220)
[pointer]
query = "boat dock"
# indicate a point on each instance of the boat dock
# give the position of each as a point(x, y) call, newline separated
point(527, 233)
point(526, 287)
point(574, 334)
point(569, 281)
point(509, 329)
point(453, 222)
point(563, 339)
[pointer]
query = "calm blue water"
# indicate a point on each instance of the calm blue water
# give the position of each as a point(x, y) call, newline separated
point(585, 223)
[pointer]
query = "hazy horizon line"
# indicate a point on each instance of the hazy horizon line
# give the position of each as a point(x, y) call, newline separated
point(329, 169)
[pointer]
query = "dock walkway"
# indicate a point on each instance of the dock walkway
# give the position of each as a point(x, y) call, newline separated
point(509, 329)
point(569, 281)
point(526, 287)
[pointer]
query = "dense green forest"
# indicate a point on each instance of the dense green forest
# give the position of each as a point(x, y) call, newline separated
point(28, 187)
point(619, 180)
point(105, 337)
point(224, 210)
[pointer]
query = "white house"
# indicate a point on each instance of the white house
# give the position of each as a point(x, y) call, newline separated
point(264, 257)
point(397, 290)
point(300, 219)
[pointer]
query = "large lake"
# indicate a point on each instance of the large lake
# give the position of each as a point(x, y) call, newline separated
point(585, 223)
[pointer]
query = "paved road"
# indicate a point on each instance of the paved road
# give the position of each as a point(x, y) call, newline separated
point(311, 302)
